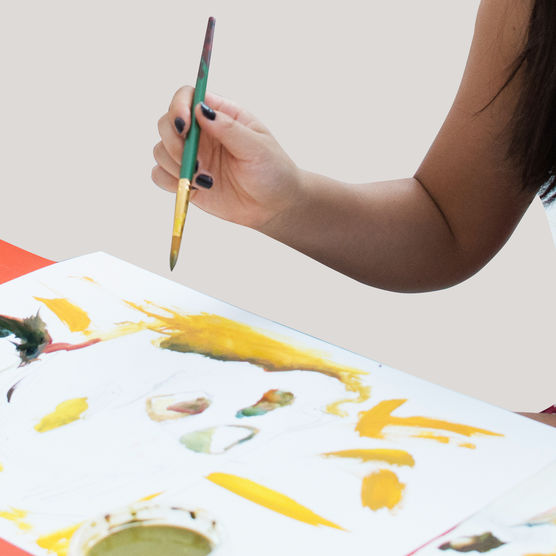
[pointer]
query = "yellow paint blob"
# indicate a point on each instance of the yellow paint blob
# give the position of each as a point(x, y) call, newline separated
point(18, 517)
point(381, 489)
point(75, 318)
point(65, 413)
point(59, 541)
point(469, 445)
point(394, 457)
point(1, 467)
point(372, 422)
point(227, 340)
point(269, 498)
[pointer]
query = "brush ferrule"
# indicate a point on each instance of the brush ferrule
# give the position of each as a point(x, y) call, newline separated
point(182, 200)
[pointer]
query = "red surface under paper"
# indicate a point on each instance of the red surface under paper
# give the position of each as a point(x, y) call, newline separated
point(15, 262)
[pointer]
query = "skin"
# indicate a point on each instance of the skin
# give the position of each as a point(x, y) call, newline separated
point(420, 233)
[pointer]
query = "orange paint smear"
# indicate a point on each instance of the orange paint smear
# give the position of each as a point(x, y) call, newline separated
point(227, 340)
point(75, 318)
point(373, 422)
point(468, 445)
point(381, 489)
point(394, 457)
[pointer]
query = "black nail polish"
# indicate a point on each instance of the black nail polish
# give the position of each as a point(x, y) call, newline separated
point(208, 112)
point(196, 167)
point(204, 181)
point(180, 125)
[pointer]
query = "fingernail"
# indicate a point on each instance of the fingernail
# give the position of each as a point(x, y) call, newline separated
point(180, 125)
point(204, 181)
point(208, 112)
point(196, 167)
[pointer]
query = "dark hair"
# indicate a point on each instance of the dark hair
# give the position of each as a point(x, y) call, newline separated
point(532, 144)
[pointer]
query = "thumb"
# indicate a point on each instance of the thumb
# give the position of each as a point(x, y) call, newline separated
point(237, 139)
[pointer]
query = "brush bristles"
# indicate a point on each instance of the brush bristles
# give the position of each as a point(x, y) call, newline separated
point(174, 251)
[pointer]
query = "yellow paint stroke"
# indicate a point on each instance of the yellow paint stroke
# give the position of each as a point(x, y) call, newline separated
point(89, 279)
point(150, 496)
point(1, 467)
point(432, 436)
point(394, 457)
point(219, 338)
point(59, 541)
point(227, 340)
point(18, 517)
point(75, 318)
point(372, 422)
point(269, 498)
point(469, 445)
point(381, 489)
point(65, 413)
point(543, 554)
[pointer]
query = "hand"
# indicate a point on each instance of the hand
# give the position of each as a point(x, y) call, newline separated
point(243, 174)
point(546, 418)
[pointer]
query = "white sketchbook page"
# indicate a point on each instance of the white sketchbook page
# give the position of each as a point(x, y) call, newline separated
point(524, 520)
point(115, 454)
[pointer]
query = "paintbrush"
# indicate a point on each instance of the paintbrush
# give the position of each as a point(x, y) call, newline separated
point(190, 148)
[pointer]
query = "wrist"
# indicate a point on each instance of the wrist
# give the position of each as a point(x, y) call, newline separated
point(296, 194)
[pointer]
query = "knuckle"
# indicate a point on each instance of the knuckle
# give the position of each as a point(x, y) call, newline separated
point(156, 150)
point(160, 124)
point(182, 98)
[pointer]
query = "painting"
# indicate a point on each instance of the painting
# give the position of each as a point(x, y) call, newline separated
point(118, 386)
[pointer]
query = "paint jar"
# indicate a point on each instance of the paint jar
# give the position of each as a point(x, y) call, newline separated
point(149, 529)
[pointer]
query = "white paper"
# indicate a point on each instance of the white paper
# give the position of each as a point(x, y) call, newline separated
point(116, 454)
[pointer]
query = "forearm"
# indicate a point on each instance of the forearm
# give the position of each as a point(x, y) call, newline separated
point(391, 234)
point(546, 418)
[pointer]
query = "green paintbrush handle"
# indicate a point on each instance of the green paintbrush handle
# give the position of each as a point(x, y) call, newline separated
point(189, 157)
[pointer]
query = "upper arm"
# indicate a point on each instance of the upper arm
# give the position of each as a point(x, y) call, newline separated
point(466, 170)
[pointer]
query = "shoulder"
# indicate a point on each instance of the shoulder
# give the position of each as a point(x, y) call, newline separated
point(499, 38)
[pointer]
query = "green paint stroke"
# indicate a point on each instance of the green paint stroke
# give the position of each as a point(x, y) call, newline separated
point(271, 400)
point(217, 440)
point(30, 333)
point(478, 543)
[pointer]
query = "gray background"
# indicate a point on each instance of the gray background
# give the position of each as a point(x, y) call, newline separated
point(356, 90)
